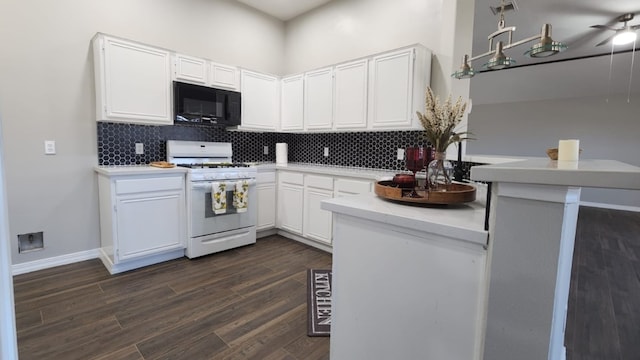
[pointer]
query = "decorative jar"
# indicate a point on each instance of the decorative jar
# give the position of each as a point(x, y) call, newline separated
point(439, 172)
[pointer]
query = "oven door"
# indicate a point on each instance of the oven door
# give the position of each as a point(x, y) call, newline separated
point(204, 221)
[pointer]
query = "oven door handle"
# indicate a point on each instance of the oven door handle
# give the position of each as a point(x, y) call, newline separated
point(206, 185)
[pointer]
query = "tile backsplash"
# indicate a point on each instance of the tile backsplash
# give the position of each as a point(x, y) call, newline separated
point(116, 145)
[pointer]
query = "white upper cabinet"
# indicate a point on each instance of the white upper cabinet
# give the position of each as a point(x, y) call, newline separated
point(398, 83)
point(223, 76)
point(292, 109)
point(204, 72)
point(350, 106)
point(318, 99)
point(190, 69)
point(133, 82)
point(391, 90)
point(260, 100)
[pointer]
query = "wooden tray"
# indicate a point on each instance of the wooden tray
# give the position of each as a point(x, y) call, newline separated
point(455, 194)
point(162, 164)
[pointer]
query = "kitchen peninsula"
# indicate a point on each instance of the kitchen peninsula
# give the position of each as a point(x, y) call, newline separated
point(431, 283)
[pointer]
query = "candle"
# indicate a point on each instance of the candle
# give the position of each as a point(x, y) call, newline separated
point(568, 150)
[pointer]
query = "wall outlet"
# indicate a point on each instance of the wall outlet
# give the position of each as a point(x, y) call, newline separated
point(139, 148)
point(266, 150)
point(326, 152)
point(49, 147)
point(400, 154)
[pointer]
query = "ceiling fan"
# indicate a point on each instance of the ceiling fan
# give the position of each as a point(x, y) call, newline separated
point(623, 35)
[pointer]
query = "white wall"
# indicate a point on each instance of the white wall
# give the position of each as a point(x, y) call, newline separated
point(47, 93)
point(347, 29)
point(8, 343)
point(524, 111)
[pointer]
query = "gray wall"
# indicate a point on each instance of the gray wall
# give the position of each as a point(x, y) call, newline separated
point(47, 93)
point(526, 110)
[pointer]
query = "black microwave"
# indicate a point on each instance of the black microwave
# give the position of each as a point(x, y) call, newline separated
point(202, 105)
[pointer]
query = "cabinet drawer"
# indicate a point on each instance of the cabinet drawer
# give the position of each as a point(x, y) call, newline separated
point(291, 178)
point(129, 186)
point(266, 177)
point(353, 186)
point(320, 182)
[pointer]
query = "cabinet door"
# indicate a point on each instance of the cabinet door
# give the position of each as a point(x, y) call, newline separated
point(149, 223)
point(224, 76)
point(346, 187)
point(266, 206)
point(317, 222)
point(351, 95)
point(290, 201)
point(260, 101)
point(292, 117)
point(190, 69)
point(318, 99)
point(133, 82)
point(392, 90)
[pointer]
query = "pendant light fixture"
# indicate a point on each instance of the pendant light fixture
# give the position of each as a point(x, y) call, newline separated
point(545, 46)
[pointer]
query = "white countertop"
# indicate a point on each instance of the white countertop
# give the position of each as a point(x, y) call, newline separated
point(137, 170)
point(584, 173)
point(465, 222)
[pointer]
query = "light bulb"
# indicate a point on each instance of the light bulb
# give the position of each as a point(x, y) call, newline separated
point(624, 37)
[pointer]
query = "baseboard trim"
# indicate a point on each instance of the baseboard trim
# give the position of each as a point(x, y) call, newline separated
point(305, 241)
point(610, 206)
point(42, 264)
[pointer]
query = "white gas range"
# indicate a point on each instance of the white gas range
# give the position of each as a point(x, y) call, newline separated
point(226, 219)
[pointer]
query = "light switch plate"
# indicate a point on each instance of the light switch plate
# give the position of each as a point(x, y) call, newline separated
point(266, 150)
point(326, 152)
point(139, 148)
point(400, 154)
point(49, 147)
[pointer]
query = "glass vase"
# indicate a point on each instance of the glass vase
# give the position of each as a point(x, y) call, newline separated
point(439, 172)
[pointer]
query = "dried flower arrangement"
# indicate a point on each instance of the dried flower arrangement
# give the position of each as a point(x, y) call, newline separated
point(440, 120)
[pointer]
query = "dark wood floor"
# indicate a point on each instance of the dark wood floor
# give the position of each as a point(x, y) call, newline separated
point(250, 302)
point(246, 303)
point(603, 321)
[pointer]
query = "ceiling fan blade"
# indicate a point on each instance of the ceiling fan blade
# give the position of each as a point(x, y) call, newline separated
point(635, 27)
point(605, 41)
point(604, 27)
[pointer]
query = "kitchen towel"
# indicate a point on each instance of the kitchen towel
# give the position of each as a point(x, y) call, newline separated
point(241, 196)
point(281, 154)
point(219, 197)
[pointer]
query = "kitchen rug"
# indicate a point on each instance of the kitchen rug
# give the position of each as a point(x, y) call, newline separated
point(319, 302)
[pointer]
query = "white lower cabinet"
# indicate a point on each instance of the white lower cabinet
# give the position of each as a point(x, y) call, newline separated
point(290, 201)
point(346, 187)
point(266, 190)
point(142, 220)
point(299, 203)
point(317, 222)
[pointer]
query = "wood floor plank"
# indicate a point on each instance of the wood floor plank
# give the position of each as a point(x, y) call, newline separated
point(180, 343)
point(280, 354)
point(127, 353)
point(28, 319)
point(59, 345)
point(232, 332)
point(263, 342)
point(309, 348)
